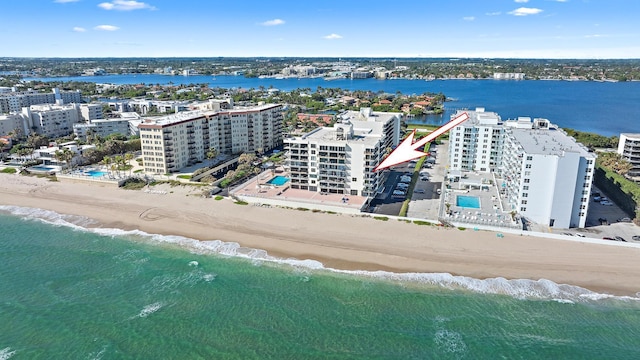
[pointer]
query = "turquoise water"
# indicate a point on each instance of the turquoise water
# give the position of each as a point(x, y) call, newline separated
point(66, 293)
point(42, 168)
point(278, 180)
point(96, 173)
point(472, 202)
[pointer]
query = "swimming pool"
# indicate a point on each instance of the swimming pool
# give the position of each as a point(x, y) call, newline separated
point(278, 180)
point(96, 173)
point(464, 201)
point(42, 168)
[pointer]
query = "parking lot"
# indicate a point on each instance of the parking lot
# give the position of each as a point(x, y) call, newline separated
point(425, 201)
point(610, 228)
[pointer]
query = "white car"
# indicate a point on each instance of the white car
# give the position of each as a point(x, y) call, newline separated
point(606, 203)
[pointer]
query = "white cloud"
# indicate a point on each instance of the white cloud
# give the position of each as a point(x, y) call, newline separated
point(523, 11)
point(125, 5)
point(64, 1)
point(521, 1)
point(495, 13)
point(273, 22)
point(333, 37)
point(79, 29)
point(106, 28)
point(469, 18)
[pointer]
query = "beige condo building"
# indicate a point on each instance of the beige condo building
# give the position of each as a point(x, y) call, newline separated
point(173, 142)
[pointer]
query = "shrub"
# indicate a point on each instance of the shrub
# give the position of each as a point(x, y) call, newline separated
point(185, 177)
point(381, 218)
point(240, 202)
point(9, 170)
point(302, 209)
point(420, 222)
point(462, 228)
point(218, 197)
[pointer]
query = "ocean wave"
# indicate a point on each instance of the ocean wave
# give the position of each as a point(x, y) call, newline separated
point(6, 353)
point(150, 309)
point(542, 289)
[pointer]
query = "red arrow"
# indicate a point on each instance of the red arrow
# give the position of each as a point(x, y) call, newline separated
point(407, 150)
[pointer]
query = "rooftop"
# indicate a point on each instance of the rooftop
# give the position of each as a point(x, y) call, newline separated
point(548, 142)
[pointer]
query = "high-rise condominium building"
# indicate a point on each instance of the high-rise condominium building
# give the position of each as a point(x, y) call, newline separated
point(341, 159)
point(544, 174)
point(629, 149)
point(172, 142)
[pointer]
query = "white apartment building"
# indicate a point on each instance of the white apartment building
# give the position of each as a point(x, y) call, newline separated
point(90, 112)
point(102, 128)
point(15, 101)
point(51, 120)
point(629, 149)
point(341, 159)
point(476, 144)
point(11, 122)
point(172, 142)
point(545, 175)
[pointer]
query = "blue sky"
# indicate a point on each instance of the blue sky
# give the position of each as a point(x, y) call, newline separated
point(345, 28)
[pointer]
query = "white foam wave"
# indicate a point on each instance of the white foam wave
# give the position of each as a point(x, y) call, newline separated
point(542, 289)
point(6, 353)
point(150, 309)
point(193, 263)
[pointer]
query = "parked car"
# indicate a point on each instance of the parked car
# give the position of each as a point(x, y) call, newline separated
point(424, 178)
point(635, 238)
point(402, 186)
point(398, 193)
point(606, 203)
point(595, 193)
point(405, 179)
point(419, 191)
point(620, 238)
point(597, 198)
point(608, 238)
point(624, 219)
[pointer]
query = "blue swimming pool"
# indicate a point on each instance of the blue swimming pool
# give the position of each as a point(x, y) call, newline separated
point(278, 180)
point(42, 168)
point(464, 201)
point(96, 173)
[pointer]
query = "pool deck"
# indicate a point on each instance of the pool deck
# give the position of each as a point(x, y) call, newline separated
point(492, 211)
point(257, 190)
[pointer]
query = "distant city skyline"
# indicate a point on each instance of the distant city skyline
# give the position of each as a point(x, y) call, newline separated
point(591, 29)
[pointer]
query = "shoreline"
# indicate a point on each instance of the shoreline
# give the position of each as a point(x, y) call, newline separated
point(341, 242)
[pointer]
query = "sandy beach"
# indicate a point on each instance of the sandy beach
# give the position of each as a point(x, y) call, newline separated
point(338, 241)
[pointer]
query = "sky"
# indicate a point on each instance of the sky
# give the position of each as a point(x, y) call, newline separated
point(590, 29)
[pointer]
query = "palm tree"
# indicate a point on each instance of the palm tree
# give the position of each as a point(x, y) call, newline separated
point(127, 158)
point(106, 161)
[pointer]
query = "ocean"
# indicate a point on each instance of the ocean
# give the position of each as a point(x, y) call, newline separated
point(605, 108)
point(70, 292)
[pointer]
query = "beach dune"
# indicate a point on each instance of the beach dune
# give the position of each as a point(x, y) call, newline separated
point(338, 241)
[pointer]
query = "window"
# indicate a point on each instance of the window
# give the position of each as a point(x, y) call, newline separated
point(526, 181)
point(525, 187)
point(529, 158)
point(523, 209)
point(528, 166)
point(525, 194)
point(354, 179)
point(524, 202)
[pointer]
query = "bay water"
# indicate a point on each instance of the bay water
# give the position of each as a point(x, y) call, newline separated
point(68, 291)
point(606, 108)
